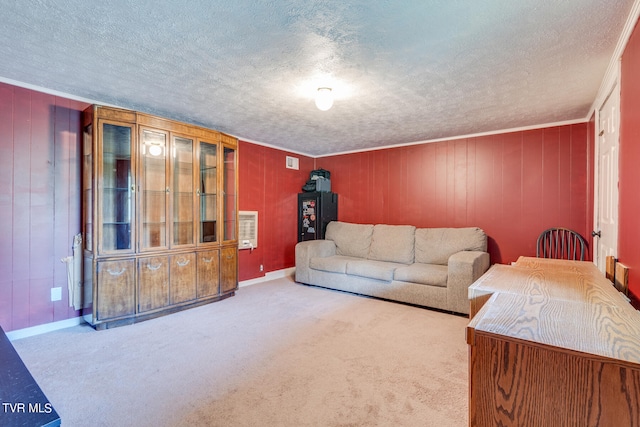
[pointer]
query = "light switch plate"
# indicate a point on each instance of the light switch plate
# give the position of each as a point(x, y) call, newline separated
point(56, 294)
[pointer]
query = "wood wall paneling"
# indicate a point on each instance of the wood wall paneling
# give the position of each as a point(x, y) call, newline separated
point(277, 201)
point(484, 185)
point(512, 192)
point(21, 235)
point(251, 198)
point(378, 210)
point(581, 189)
point(398, 181)
point(6, 205)
point(512, 185)
point(41, 212)
point(64, 180)
point(268, 187)
point(461, 165)
point(40, 203)
point(67, 215)
point(413, 207)
point(532, 179)
point(550, 174)
point(629, 201)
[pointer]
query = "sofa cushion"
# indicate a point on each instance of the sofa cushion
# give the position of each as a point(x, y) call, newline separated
point(425, 274)
point(373, 269)
point(436, 245)
point(333, 264)
point(350, 239)
point(393, 243)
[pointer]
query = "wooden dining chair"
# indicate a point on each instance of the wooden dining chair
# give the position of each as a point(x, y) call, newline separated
point(561, 243)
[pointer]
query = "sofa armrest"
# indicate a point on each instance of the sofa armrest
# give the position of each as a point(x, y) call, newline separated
point(311, 249)
point(464, 268)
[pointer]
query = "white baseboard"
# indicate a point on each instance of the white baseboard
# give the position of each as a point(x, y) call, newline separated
point(278, 274)
point(47, 327)
point(62, 324)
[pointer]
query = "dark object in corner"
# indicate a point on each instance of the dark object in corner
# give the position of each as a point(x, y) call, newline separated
point(319, 180)
point(23, 402)
point(315, 211)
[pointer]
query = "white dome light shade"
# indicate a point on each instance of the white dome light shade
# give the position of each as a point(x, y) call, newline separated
point(324, 98)
point(155, 150)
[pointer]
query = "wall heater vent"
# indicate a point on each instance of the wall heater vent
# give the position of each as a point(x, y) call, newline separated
point(293, 163)
point(248, 238)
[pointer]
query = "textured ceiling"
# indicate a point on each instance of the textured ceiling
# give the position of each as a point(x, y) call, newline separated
point(401, 71)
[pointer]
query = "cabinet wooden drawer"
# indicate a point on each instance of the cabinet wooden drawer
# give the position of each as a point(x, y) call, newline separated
point(229, 270)
point(208, 273)
point(115, 289)
point(183, 278)
point(153, 283)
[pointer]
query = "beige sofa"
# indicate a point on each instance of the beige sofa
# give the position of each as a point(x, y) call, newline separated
point(430, 267)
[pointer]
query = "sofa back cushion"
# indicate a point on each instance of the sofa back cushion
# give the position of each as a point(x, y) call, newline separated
point(393, 243)
point(350, 239)
point(436, 245)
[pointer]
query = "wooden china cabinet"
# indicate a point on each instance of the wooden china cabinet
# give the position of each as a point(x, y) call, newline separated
point(160, 214)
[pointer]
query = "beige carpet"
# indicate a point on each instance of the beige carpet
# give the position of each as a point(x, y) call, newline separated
point(276, 354)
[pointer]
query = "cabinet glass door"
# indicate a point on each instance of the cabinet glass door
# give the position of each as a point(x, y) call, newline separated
point(182, 155)
point(229, 187)
point(117, 204)
point(208, 192)
point(87, 186)
point(154, 189)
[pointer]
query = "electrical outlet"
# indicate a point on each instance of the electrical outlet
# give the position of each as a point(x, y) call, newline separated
point(56, 294)
point(261, 267)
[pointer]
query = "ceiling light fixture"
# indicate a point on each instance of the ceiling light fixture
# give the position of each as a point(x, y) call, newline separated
point(324, 98)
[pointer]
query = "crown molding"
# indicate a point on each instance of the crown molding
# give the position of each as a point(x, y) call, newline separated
point(54, 92)
point(453, 138)
point(275, 147)
point(613, 70)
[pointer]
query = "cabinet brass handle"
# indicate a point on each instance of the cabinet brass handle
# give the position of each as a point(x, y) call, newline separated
point(183, 262)
point(153, 267)
point(207, 260)
point(116, 273)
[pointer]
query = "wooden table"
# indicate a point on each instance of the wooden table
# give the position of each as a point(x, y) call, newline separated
point(552, 343)
point(548, 278)
point(22, 402)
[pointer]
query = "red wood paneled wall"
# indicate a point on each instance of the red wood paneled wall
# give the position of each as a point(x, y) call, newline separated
point(629, 165)
point(39, 204)
point(268, 187)
point(511, 185)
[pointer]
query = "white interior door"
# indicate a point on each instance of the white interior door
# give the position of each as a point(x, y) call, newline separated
point(605, 240)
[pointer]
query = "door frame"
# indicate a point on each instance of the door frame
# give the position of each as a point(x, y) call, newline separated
point(615, 85)
point(611, 79)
